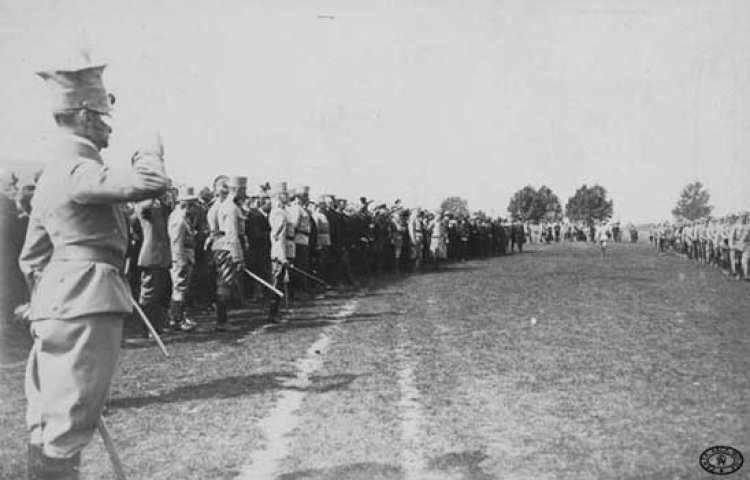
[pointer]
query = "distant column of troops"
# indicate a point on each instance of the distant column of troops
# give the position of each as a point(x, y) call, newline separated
point(720, 242)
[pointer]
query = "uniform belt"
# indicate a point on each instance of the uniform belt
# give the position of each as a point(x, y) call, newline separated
point(80, 253)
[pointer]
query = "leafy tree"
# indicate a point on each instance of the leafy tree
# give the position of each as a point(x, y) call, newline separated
point(523, 204)
point(458, 206)
point(693, 203)
point(535, 205)
point(548, 205)
point(589, 204)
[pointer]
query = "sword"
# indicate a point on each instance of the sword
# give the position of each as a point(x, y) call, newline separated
point(264, 283)
point(110, 446)
point(150, 327)
point(309, 275)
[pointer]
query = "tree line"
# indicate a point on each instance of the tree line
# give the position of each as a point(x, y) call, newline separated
point(587, 205)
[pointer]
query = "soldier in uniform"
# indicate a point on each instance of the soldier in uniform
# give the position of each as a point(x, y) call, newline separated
point(183, 243)
point(13, 290)
point(416, 238)
point(735, 246)
point(438, 239)
point(277, 219)
point(299, 217)
point(744, 243)
point(323, 243)
point(73, 260)
point(225, 221)
point(258, 231)
point(154, 261)
point(399, 234)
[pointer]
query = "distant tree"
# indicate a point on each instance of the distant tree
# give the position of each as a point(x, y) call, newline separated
point(589, 204)
point(535, 205)
point(693, 203)
point(458, 206)
point(523, 204)
point(548, 205)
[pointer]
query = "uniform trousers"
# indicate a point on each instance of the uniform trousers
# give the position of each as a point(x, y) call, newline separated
point(182, 273)
point(68, 375)
point(155, 294)
point(227, 273)
point(259, 262)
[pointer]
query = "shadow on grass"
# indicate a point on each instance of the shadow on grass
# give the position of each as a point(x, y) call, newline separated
point(237, 386)
point(464, 465)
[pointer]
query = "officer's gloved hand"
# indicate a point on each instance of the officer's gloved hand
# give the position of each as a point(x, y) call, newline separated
point(148, 162)
point(22, 312)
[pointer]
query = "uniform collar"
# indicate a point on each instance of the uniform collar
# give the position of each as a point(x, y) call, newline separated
point(79, 146)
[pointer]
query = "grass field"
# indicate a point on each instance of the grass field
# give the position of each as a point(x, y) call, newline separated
point(635, 365)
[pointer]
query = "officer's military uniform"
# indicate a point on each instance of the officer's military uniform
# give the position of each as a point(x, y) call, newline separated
point(154, 261)
point(73, 259)
point(183, 244)
point(258, 231)
point(226, 223)
point(278, 222)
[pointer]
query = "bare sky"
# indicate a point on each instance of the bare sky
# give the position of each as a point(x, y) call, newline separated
point(411, 99)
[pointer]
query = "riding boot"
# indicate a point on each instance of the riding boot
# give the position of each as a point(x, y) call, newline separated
point(176, 314)
point(42, 467)
point(222, 325)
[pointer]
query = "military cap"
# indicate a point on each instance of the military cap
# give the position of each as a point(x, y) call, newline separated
point(278, 189)
point(78, 87)
point(238, 182)
point(256, 192)
point(186, 194)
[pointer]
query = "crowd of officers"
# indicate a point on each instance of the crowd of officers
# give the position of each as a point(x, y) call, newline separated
point(194, 252)
point(721, 242)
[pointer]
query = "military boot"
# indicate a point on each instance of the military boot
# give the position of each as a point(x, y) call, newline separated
point(178, 321)
point(222, 325)
point(42, 467)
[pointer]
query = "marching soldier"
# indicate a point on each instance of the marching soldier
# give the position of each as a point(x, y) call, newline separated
point(73, 260)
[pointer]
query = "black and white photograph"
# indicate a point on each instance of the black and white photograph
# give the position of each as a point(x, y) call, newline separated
point(374, 239)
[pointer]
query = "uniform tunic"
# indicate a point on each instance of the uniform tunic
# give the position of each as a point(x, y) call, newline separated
point(225, 222)
point(73, 258)
point(182, 238)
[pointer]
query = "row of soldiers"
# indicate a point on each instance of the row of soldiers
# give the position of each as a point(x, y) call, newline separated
point(204, 248)
point(82, 247)
point(721, 242)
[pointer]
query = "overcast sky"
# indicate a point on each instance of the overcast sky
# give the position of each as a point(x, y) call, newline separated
point(410, 99)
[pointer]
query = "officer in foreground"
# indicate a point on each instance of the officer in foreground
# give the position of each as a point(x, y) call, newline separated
point(73, 260)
